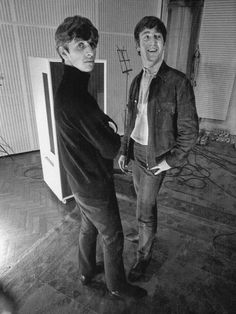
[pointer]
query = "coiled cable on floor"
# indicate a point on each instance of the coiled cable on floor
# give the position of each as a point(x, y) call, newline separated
point(195, 176)
point(200, 174)
point(222, 235)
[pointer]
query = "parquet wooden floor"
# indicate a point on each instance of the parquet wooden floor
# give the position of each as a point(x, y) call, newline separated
point(28, 209)
point(193, 269)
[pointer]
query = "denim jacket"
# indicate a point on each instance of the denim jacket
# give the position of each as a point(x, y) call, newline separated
point(172, 118)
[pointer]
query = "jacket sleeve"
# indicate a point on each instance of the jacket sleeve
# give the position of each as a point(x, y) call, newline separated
point(124, 142)
point(187, 124)
point(96, 130)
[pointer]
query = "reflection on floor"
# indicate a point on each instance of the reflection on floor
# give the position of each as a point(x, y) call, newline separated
point(193, 269)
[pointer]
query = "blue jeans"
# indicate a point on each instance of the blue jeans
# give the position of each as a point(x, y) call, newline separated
point(101, 215)
point(147, 186)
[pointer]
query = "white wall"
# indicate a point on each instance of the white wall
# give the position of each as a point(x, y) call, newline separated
point(216, 86)
point(27, 28)
point(229, 123)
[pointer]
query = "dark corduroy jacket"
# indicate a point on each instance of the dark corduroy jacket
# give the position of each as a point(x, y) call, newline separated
point(172, 117)
point(87, 144)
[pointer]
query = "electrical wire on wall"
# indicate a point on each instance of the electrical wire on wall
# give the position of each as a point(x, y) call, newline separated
point(5, 148)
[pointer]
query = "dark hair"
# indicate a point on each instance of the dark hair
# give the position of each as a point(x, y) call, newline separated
point(149, 22)
point(75, 27)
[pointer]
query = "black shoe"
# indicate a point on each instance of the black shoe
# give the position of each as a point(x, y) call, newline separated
point(85, 280)
point(129, 291)
point(138, 270)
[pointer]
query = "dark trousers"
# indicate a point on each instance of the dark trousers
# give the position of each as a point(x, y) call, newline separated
point(101, 216)
point(147, 186)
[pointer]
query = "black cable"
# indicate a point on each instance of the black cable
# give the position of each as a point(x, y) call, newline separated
point(218, 153)
point(37, 177)
point(6, 145)
point(217, 160)
point(3, 150)
point(194, 170)
point(188, 170)
point(222, 235)
point(198, 151)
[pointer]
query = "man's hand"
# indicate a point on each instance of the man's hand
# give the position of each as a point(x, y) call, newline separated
point(121, 163)
point(162, 166)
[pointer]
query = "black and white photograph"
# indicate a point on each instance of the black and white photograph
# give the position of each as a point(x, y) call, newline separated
point(117, 156)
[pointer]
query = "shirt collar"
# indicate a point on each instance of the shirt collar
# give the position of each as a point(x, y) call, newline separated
point(153, 70)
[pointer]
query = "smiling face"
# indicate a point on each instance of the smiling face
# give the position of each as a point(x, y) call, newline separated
point(151, 47)
point(80, 54)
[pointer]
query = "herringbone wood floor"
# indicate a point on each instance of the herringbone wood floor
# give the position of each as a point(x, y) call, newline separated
point(28, 209)
point(189, 272)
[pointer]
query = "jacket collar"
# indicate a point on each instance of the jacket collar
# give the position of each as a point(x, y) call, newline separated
point(162, 73)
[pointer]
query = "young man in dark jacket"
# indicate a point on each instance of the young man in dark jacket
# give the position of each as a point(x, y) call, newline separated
point(87, 144)
point(162, 127)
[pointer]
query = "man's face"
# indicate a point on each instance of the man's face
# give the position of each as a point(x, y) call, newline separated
point(80, 54)
point(151, 47)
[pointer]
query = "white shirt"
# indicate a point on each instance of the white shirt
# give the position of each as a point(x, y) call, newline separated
point(140, 131)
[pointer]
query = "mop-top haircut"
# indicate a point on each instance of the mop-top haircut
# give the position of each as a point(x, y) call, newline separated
point(75, 27)
point(149, 22)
